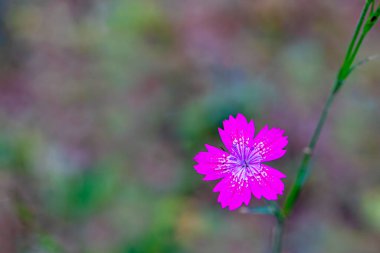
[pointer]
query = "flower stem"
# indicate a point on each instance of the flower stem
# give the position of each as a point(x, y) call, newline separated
point(356, 33)
point(304, 169)
point(278, 232)
point(344, 72)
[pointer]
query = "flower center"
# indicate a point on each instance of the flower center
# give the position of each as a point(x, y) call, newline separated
point(245, 156)
point(246, 162)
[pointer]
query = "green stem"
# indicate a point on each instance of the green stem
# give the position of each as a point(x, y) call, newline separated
point(367, 27)
point(357, 31)
point(277, 212)
point(304, 168)
point(278, 232)
point(364, 61)
point(356, 50)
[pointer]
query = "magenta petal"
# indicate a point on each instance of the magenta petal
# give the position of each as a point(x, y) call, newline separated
point(270, 143)
point(213, 163)
point(235, 130)
point(255, 188)
point(241, 168)
point(273, 172)
point(233, 194)
point(267, 183)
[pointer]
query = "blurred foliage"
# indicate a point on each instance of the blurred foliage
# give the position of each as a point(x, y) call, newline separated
point(103, 105)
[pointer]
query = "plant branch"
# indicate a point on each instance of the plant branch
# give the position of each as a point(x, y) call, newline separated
point(363, 26)
point(356, 33)
point(364, 61)
point(304, 168)
point(278, 232)
point(345, 70)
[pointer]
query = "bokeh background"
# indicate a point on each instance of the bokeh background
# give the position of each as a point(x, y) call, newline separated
point(103, 105)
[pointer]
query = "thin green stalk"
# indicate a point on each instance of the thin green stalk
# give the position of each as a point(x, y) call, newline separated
point(278, 232)
point(357, 30)
point(356, 50)
point(364, 61)
point(372, 19)
point(304, 168)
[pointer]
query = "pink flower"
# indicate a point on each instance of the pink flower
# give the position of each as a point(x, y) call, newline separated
point(241, 167)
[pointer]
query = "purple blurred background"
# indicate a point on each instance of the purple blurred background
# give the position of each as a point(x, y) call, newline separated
point(103, 105)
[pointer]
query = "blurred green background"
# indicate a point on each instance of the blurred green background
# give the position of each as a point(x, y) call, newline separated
point(103, 105)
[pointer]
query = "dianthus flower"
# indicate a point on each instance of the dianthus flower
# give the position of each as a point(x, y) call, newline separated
point(241, 167)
